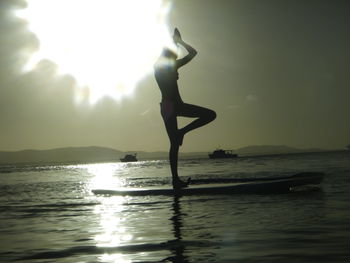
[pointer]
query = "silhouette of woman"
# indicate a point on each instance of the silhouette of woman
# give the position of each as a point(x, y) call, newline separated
point(171, 106)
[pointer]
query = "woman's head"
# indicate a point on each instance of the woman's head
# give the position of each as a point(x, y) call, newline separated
point(170, 54)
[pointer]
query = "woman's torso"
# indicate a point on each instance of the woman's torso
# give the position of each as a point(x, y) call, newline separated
point(166, 77)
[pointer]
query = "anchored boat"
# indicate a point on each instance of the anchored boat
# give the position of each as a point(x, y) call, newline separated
point(129, 158)
point(219, 154)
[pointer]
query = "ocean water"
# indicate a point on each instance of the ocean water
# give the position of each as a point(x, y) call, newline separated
point(49, 214)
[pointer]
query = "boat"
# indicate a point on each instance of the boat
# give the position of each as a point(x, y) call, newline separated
point(220, 154)
point(129, 158)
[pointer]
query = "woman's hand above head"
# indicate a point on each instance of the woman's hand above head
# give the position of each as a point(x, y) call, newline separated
point(177, 36)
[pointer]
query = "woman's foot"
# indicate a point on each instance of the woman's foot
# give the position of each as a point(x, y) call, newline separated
point(178, 184)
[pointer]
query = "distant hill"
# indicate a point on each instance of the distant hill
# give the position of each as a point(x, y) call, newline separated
point(70, 154)
point(164, 155)
point(103, 154)
point(271, 149)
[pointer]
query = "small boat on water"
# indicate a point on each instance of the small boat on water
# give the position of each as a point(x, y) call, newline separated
point(129, 158)
point(220, 154)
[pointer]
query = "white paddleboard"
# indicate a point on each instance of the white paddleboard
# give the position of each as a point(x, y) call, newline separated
point(223, 186)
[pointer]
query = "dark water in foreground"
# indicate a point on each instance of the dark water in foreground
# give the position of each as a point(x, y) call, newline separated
point(48, 214)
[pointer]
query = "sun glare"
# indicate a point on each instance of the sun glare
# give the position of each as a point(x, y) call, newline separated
point(108, 46)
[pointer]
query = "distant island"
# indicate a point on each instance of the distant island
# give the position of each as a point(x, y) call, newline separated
point(103, 154)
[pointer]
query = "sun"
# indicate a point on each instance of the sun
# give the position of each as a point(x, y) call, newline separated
point(108, 46)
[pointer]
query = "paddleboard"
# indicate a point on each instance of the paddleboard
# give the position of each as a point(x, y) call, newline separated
point(224, 186)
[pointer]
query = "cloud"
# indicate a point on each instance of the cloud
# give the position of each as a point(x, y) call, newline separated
point(145, 112)
point(251, 98)
point(232, 107)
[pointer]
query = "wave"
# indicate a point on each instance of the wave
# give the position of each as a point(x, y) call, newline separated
point(168, 245)
point(38, 210)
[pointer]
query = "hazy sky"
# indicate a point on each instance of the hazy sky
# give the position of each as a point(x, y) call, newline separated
point(276, 72)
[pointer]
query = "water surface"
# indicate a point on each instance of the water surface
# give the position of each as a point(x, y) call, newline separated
point(49, 214)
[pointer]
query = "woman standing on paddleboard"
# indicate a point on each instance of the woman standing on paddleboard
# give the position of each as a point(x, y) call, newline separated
point(171, 106)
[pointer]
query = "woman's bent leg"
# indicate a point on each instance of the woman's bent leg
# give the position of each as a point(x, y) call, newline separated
point(203, 115)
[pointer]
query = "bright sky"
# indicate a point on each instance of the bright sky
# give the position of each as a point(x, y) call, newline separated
point(101, 43)
point(275, 72)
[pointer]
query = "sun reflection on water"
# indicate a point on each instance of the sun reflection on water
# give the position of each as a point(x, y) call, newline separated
point(117, 258)
point(113, 230)
point(106, 175)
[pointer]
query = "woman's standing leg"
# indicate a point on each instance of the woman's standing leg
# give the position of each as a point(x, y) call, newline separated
point(172, 130)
